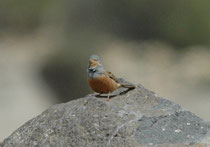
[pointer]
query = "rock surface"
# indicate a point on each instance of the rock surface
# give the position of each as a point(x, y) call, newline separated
point(133, 119)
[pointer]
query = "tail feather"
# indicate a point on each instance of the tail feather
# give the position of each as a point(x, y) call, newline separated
point(129, 86)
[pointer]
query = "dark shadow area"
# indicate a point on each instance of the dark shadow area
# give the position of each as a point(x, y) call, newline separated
point(112, 96)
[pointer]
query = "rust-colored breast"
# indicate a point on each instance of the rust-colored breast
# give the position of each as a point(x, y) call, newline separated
point(103, 84)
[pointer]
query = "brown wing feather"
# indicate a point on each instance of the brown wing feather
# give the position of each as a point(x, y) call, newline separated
point(126, 85)
point(111, 75)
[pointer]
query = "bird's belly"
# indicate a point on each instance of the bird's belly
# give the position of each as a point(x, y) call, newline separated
point(103, 84)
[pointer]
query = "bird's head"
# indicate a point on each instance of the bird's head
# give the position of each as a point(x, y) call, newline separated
point(94, 61)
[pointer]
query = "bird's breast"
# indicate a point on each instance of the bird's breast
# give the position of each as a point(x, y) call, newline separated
point(102, 84)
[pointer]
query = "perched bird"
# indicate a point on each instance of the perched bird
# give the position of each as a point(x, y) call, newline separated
point(101, 81)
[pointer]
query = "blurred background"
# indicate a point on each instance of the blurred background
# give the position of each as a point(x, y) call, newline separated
point(45, 47)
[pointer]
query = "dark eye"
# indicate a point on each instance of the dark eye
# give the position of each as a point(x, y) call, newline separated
point(95, 59)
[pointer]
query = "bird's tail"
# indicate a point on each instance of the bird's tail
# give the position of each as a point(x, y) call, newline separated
point(129, 86)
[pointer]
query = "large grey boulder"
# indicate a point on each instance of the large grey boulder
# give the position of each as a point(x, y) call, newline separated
point(133, 119)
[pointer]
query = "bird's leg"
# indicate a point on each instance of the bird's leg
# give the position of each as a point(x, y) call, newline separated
point(107, 99)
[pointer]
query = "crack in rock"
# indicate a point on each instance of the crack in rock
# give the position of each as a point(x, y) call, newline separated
point(138, 116)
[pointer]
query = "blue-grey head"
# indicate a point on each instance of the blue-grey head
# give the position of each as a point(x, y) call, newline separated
point(95, 66)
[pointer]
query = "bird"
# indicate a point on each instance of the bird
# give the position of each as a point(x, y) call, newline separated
point(102, 81)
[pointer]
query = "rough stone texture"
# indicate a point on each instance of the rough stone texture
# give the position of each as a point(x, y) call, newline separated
point(133, 119)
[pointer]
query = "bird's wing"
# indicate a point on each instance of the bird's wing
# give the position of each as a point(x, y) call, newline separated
point(121, 81)
point(111, 75)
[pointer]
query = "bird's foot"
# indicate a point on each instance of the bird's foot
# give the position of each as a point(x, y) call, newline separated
point(107, 99)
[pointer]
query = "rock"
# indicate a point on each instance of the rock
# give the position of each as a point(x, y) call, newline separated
point(133, 119)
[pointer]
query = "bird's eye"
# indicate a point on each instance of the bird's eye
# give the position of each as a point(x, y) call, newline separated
point(95, 59)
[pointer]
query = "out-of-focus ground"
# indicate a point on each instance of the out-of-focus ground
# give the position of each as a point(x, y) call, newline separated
point(45, 47)
point(23, 94)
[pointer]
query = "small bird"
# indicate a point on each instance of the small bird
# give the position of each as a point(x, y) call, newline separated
point(101, 81)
